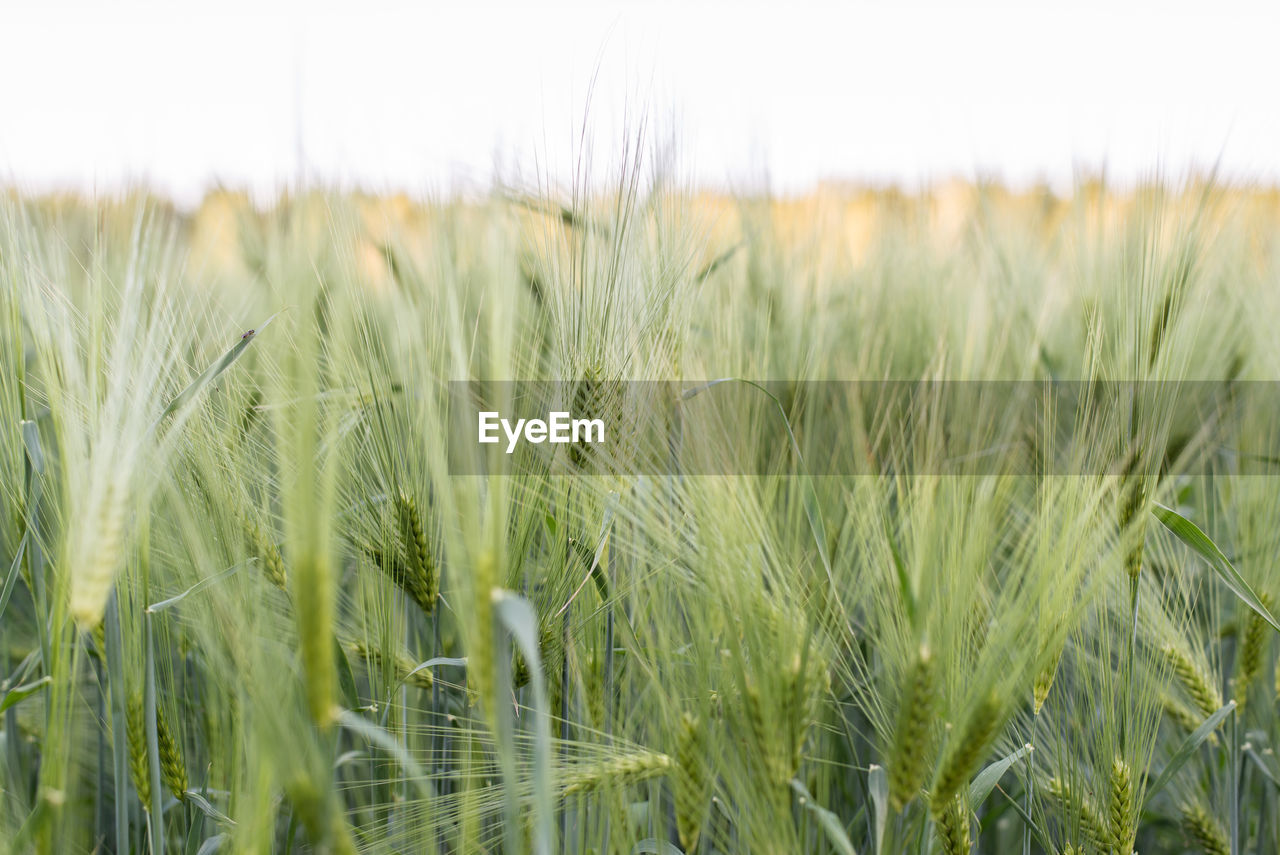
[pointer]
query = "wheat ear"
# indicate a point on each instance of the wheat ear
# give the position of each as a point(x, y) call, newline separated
point(404, 666)
point(1194, 679)
point(420, 579)
point(1095, 829)
point(617, 772)
point(1253, 651)
point(908, 757)
point(1205, 831)
point(692, 780)
point(173, 769)
point(268, 554)
point(952, 822)
point(135, 728)
point(1121, 810)
point(968, 747)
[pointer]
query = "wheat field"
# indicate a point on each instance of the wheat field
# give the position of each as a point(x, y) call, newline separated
point(251, 603)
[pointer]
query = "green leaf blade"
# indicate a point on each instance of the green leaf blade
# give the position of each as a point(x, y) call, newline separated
point(1200, 543)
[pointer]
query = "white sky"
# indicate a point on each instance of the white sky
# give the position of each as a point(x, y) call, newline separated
point(429, 97)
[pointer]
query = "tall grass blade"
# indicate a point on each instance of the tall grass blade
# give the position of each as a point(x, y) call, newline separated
point(212, 844)
point(519, 619)
point(211, 373)
point(346, 680)
point(155, 817)
point(119, 735)
point(12, 576)
point(878, 785)
point(31, 440)
point(361, 726)
point(1190, 534)
point(208, 809)
point(198, 586)
point(985, 781)
point(1188, 748)
point(830, 823)
point(20, 693)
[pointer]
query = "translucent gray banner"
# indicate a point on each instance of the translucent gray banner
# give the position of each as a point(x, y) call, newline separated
point(863, 427)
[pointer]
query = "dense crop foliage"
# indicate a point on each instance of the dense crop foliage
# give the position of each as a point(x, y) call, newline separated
point(247, 605)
